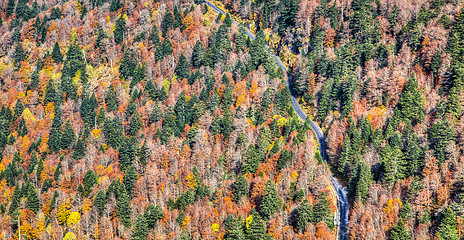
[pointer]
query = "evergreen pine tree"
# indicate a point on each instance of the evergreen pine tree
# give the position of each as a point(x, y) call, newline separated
point(153, 215)
point(168, 21)
point(124, 210)
point(54, 140)
point(226, 126)
point(10, 8)
point(177, 19)
point(240, 38)
point(322, 211)
point(39, 169)
point(115, 5)
point(100, 202)
point(228, 20)
point(33, 202)
point(68, 87)
point(399, 231)
point(143, 154)
point(135, 124)
point(32, 163)
point(111, 102)
point(447, 230)
point(304, 216)
point(56, 54)
point(15, 201)
point(69, 136)
point(140, 231)
point(271, 201)
point(183, 68)
point(119, 29)
point(197, 55)
point(255, 230)
point(235, 230)
point(454, 105)
point(411, 103)
point(345, 155)
point(240, 187)
point(50, 92)
point(130, 177)
point(22, 128)
point(58, 170)
point(154, 37)
point(79, 150)
point(90, 179)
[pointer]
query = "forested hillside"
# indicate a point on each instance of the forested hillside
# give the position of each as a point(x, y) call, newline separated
point(157, 120)
point(385, 81)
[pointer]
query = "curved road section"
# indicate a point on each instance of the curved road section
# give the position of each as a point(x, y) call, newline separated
point(343, 207)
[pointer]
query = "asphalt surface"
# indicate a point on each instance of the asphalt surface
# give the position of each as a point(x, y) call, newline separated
point(343, 206)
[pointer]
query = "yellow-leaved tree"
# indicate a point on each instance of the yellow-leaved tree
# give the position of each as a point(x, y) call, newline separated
point(74, 219)
point(63, 213)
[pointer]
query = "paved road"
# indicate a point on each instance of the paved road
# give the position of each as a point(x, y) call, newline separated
point(343, 207)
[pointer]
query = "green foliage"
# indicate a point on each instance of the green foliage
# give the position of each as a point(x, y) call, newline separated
point(113, 131)
point(90, 179)
point(19, 55)
point(110, 100)
point(68, 88)
point(399, 231)
point(256, 229)
point(240, 187)
point(234, 228)
point(440, 134)
point(119, 29)
point(127, 152)
point(288, 15)
point(359, 183)
point(445, 21)
point(115, 5)
point(447, 230)
point(411, 103)
point(197, 55)
point(154, 36)
point(393, 17)
point(54, 140)
point(100, 202)
point(304, 216)
point(271, 201)
point(183, 68)
point(321, 211)
point(10, 8)
point(124, 210)
point(69, 136)
point(140, 231)
point(165, 49)
point(33, 202)
point(79, 150)
point(127, 66)
point(168, 21)
point(228, 20)
point(58, 170)
point(325, 103)
point(74, 61)
point(56, 54)
point(135, 124)
point(393, 163)
point(153, 215)
point(130, 177)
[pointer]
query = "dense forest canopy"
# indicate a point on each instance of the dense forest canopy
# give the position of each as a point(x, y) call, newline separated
point(150, 120)
point(160, 119)
point(384, 79)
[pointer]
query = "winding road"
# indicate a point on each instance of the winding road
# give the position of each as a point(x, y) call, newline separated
point(343, 206)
